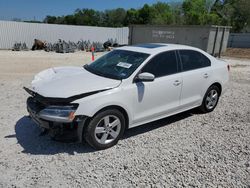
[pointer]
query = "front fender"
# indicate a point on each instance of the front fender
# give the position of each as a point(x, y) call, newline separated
point(89, 106)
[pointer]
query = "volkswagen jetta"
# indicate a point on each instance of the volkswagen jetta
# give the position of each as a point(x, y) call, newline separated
point(124, 88)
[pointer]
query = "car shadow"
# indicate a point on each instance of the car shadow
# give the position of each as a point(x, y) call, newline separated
point(158, 124)
point(29, 136)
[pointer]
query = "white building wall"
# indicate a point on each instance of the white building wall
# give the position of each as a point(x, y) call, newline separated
point(11, 32)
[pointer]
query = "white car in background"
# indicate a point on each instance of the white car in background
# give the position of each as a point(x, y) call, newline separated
point(124, 88)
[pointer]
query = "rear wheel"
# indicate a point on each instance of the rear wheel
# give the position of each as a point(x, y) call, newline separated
point(210, 99)
point(105, 129)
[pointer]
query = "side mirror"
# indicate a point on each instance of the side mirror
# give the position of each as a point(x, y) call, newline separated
point(145, 77)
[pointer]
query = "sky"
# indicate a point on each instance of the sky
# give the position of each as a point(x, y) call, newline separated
point(39, 9)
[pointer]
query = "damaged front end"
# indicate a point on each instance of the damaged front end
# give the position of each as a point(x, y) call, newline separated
point(56, 116)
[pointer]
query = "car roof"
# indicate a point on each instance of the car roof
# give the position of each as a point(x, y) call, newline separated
point(155, 48)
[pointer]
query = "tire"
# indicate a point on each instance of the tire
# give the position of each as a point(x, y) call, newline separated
point(210, 99)
point(105, 129)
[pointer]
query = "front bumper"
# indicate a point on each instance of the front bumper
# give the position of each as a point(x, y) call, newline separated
point(72, 130)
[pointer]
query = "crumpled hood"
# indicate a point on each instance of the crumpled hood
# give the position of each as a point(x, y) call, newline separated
point(64, 82)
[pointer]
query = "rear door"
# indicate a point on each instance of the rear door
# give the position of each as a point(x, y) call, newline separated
point(196, 75)
point(162, 96)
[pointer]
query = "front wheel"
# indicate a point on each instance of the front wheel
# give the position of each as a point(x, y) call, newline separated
point(105, 129)
point(210, 99)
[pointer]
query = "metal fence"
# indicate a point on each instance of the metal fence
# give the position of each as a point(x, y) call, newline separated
point(239, 40)
point(12, 32)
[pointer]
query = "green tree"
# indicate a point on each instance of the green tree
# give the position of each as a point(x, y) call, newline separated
point(70, 20)
point(115, 17)
point(235, 13)
point(59, 20)
point(50, 19)
point(194, 11)
point(162, 14)
point(198, 12)
point(191, 12)
point(132, 17)
point(86, 17)
point(178, 18)
point(145, 14)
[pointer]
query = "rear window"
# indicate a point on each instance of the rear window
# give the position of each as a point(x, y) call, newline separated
point(191, 60)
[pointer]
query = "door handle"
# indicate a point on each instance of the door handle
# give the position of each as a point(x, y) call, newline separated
point(205, 75)
point(177, 82)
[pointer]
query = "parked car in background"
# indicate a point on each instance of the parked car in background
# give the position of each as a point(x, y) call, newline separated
point(125, 88)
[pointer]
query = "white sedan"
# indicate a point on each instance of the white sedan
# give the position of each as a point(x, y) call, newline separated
point(124, 88)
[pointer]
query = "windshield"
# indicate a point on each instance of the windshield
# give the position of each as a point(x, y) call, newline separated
point(118, 64)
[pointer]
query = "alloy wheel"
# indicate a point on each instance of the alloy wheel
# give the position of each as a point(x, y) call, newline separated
point(211, 99)
point(107, 129)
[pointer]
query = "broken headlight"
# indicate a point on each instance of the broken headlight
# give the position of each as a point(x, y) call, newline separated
point(63, 114)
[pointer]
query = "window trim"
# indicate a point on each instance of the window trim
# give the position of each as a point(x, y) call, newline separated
point(181, 64)
point(177, 61)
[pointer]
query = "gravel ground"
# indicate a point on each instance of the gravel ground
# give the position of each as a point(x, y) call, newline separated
point(186, 150)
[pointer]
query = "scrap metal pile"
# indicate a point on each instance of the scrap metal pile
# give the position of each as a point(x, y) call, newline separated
point(69, 47)
point(19, 47)
point(62, 46)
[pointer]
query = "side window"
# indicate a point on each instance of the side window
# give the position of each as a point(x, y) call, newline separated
point(193, 60)
point(162, 64)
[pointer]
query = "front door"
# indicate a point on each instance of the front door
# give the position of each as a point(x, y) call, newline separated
point(156, 99)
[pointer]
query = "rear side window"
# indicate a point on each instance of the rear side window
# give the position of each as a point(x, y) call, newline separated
point(193, 60)
point(162, 64)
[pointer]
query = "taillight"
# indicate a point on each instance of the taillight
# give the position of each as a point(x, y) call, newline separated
point(228, 67)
